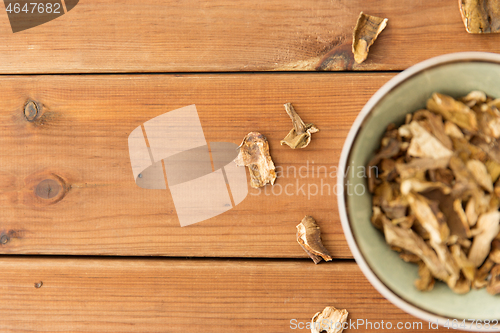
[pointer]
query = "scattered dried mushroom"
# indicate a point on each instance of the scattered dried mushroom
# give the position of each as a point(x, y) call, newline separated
point(300, 134)
point(330, 320)
point(254, 153)
point(480, 16)
point(437, 196)
point(365, 33)
point(309, 237)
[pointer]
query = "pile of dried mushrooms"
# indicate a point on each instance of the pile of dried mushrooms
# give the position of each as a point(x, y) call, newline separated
point(436, 191)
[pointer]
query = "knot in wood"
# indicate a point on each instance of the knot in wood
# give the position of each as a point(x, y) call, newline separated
point(30, 111)
point(48, 189)
point(4, 239)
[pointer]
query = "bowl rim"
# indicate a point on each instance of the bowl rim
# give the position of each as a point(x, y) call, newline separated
point(344, 157)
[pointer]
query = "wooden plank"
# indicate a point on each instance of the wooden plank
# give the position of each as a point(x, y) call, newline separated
point(80, 140)
point(234, 35)
point(122, 295)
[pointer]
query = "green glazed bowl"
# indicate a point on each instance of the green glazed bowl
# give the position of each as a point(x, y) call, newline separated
point(452, 74)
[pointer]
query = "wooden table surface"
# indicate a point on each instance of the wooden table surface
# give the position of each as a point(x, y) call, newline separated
point(107, 256)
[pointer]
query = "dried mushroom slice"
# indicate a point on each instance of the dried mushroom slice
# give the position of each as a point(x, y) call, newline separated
point(454, 111)
point(412, 168)
point(365, 33)
point(462, 222)
point(480, 16)
point(450, 265)
point(465, 183)
point(494, 103)
point(426, 280)
point(470, 212)
point(409, 257)
point(435, 125)
point(254, 153)
point(493, 169)
point(492, 148)
point(432, 222)
point(405, 222)
point(309, 237)
point(407, 240)
point(383, 194)
point(395, 209)
point(300, 135)
point(480, 174)
point(489, 121)
point(330, 320)
point(481, 278)
point(416, 185)
point(488, 226)
point(474, 97)
point(495, 251)
point(424, 144)
point(389, 150)
point(388, 170)
point(466, 150)
point(462, 286)
point(377, 217)
point(456, 218)
point(494, 284)
point(452, 130)
point(466, 266)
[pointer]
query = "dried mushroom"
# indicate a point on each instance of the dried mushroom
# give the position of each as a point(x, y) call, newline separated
point(426, 281)
point(408, 240)
point(494, 283)
point(466, 266)
point(424, 144)
point(480, 174)
point(453, 110)
point(437, 197)
point(365, 33)
point(309, 237)
point(330, 320)
point(390, 149)
point(300, 135)
point(480, 16)
point(490, 147)
point(434, 123)
point(254, 153)
point(495, 251)
point(481, 278)
point(452, 130)
point(409, 257)
point(488, 226)
point(474, 97)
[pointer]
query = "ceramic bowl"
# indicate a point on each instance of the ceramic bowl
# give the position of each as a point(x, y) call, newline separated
point(453, 74)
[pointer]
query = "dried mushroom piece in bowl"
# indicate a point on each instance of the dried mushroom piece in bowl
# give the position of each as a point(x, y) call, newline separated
point(437, 197)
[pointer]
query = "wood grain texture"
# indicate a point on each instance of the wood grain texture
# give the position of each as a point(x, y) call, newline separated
point(80, 140)
point(234, 35)
point(122, 295)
